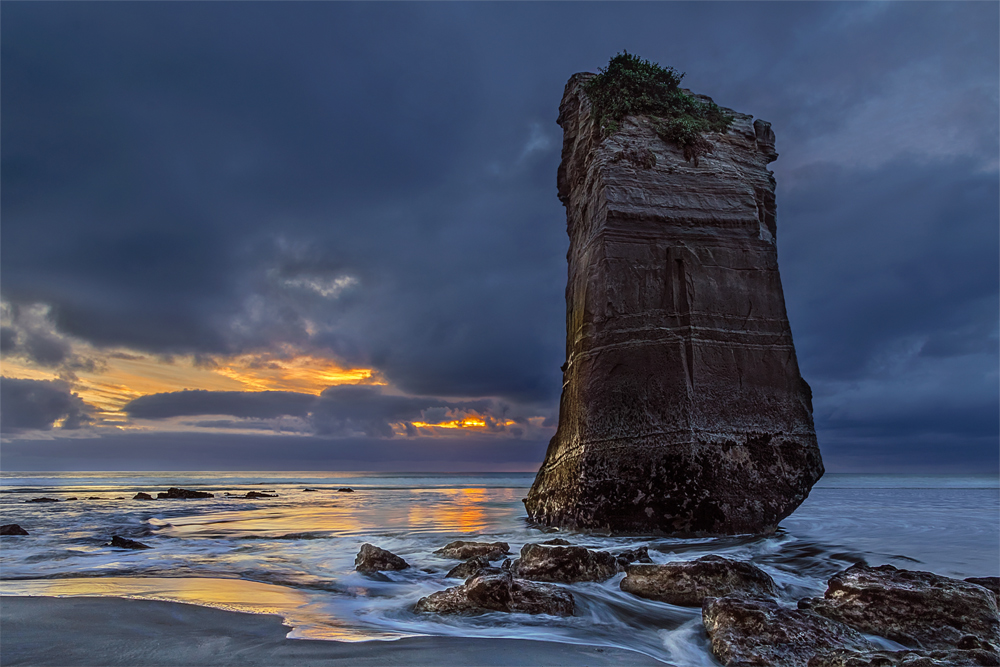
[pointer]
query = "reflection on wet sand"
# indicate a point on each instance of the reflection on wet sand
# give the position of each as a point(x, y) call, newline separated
point(299, 609)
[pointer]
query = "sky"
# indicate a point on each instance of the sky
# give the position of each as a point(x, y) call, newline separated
point(325, 236)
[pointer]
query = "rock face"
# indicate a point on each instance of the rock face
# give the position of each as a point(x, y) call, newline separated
point(462, 550)
point(564, 564)
point(683, 410)
point(918, 609)
point(761, 632)
point(844, 658)
point(469, 568)
point(688, 583)
point(494, 589)
point(142, 496)
point(373, 559)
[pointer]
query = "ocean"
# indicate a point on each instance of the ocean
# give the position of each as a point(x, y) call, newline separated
point(293, 555)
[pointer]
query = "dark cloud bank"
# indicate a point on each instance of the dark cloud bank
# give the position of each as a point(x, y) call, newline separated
point(376, 182)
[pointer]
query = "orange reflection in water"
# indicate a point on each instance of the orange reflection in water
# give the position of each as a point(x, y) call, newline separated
point(463, 510)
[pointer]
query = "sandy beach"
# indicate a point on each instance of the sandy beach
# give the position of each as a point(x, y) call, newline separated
point(113, 631)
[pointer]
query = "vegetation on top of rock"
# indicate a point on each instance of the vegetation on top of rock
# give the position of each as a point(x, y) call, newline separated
point(631, 86)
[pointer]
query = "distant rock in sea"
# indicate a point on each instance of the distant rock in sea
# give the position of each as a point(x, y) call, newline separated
point(12, 529)
point(174, 493)
point(142, 496)
point(124, 543)
point(683, 410)
point(43, 499)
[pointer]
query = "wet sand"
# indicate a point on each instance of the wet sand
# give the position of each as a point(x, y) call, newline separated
point(80, 631)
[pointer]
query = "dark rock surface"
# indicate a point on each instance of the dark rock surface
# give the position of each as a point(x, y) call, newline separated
point(990, 583)
point(761, 632)
point(496, 590)
point(683, 410)
point(461, 550)
point(142, 496)
point(12, 529)
point(345, 489)
point(125, 543)
point(469, 568)
point(688, 583)
point(374, 559)
point(563, 564)
point(639, 554)
point(845, 658)
point(95, 498)
point(916, 609)
point(174, 493)
point(556, 542)
point(259, 494)
point(43, 499)
point(306, 490)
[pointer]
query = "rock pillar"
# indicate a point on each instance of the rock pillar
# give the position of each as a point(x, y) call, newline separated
point(682, 408)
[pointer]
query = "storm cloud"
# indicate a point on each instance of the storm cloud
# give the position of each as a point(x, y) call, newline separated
point(38, 404)
point(375, 183)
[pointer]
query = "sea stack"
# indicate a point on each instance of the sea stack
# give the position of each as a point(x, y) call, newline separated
point(683, 410)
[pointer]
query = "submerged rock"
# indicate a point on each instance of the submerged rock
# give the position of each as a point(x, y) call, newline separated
point(917, 609)
point(688, 583)
point(124, 543)
point(683, 410)
point(462, 550)
point(845, 658)
point(174, 493)
point(95, 498)
point(468, 568)
point(308, 490)
point(43, 499)
point(762, 633)
point(374, 559)
point(563, 564)
point(12, 529)
point(496, 590)
point(142, 496)
point(345, 489)
point(640, 554)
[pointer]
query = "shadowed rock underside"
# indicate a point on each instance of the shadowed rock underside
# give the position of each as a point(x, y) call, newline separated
point(683, 410)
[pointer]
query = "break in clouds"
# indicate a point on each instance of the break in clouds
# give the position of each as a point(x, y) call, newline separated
point(374, 186)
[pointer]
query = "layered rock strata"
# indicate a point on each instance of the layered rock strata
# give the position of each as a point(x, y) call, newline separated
point(683, 410)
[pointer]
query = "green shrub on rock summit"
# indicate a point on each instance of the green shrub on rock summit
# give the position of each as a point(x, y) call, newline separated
point(631, 86)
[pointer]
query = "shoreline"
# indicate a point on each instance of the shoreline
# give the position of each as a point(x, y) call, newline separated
point(99, 631)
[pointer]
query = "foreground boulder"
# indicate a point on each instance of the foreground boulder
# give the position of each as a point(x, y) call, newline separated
point(845, 658)
point(688, 583)
point(174, 493)
point(494, 589)
point(763, 633)
point(12, 529)
point(468, 568)
point(917, 609)
point(683, 410)
point(989, 583)
point(124, 543)
point(374, 559)
point(563, 564)
point(461, 550)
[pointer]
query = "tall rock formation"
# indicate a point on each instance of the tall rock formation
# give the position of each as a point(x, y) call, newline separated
point(682, 409)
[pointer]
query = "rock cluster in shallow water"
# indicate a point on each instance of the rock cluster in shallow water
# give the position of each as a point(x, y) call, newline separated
point(683, 410)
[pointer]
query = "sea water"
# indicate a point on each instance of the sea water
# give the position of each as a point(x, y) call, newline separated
point(294, 554)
